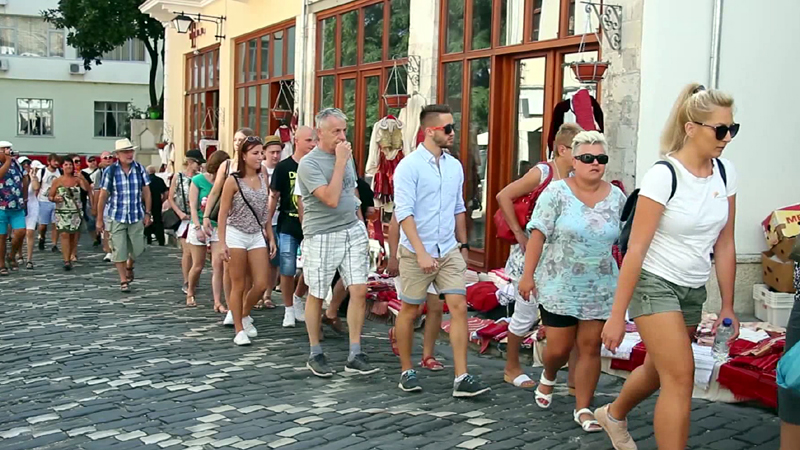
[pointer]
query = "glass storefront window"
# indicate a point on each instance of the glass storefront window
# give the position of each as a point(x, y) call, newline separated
point(455, 26)
point(512, 21)
point(264, 115)
point(290, 51)
point(373, 33)
point(277, 54)
point(530, 114)
point(328, 43)
point(481, 24)
point(545, 19)
point(453, 83)
point(477, 152)
point(349, 39)
point(398, 29)
point(327, 91)
point(349, 105)
point(252, 54)
point(264, 57)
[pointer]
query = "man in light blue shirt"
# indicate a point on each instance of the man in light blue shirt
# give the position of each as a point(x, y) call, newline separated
point(429, 204)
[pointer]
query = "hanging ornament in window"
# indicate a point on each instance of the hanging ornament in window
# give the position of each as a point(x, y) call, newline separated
point(282, 110)
point(396, 94)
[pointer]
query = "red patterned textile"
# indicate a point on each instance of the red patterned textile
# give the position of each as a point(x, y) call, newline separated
point(384, 179)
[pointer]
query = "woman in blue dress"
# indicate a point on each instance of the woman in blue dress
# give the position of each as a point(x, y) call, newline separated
point(570, 270)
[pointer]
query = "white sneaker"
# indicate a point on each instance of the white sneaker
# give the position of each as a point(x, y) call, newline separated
point(107, 258)
point(299, 309)
point(288, 317)
point(241, 338)
point(247, 320)
point(228, 319)
point(250, 330)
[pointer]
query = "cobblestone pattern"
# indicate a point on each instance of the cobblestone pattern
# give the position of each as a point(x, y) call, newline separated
point(83, 366)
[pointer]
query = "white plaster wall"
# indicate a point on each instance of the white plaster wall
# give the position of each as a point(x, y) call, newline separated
point(757, 68)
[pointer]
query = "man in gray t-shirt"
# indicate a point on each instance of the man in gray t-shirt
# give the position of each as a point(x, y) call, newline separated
point(316, 170)
point(334, 239)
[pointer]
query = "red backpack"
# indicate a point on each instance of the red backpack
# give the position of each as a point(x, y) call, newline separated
point(523, 208)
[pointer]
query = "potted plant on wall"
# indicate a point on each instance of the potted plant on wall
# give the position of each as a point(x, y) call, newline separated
point(588, 72)
point(282, 110)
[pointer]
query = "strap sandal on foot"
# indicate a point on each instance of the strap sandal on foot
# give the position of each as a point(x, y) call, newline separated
point(125, 286)
point(3, 272)
point(430, 363)
point(129, 273)
point(522, 381)
point(29, 265)
point(544, 400)
point(588, 425)
point(190, 303)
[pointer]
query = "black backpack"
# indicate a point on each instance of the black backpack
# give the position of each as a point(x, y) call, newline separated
point(629, 210)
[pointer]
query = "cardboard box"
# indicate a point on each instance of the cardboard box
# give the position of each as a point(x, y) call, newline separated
point(778, 275)
point(783, 222)
point(787, 249)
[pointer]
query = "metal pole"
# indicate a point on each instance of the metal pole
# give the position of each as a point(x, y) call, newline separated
point(716, 35)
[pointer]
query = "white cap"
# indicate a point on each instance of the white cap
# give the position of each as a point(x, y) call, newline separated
point(5, 144)
point(36, 164)
point(22, 160)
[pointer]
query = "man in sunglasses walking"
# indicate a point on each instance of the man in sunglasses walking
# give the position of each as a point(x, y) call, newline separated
point(106, 159)
point(429, 205)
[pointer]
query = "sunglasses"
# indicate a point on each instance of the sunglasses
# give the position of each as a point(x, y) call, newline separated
point(251, 139)
point(449, 128)
point(107, 158)
point(588, 158)
point(76, 161)
point(722, 130)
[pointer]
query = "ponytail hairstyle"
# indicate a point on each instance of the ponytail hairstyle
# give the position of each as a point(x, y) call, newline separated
point(694, 104)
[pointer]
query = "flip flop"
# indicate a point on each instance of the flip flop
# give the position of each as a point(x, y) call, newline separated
point(259, 305)
point(190, 303)
point(522, 381)
point(268, 304)
point(4, 272)
point(29, 265)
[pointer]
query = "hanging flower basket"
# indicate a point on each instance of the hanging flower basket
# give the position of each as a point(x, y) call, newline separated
point(161, 145)
point(396, 100)
point(589, 72)
point(281, 114)
point(207, 134)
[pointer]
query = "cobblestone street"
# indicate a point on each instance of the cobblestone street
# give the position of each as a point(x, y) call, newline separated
point(86, 367)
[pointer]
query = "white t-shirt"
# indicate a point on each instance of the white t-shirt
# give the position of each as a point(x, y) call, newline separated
point(682, 245)
point(277, 213)
point(45, 182)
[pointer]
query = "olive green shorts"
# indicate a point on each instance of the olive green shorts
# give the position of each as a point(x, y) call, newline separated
point(126, 240)
point(654, 295)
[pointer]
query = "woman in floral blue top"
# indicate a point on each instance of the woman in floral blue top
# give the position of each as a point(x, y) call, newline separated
point(573, 226)
point(13, 190)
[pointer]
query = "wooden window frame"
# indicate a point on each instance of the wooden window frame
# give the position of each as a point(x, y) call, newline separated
point(503, 60)
point(190, 90)
point(360, 70)
point(274, 82)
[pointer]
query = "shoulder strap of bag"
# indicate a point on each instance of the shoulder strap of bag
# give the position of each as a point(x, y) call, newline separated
point(722, 172)
point(252, 210)
point(674, 177)
point(183, 190)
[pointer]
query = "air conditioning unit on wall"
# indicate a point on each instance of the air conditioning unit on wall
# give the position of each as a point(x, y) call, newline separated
point(4, 65)
point(76, 68)
point(3, 2)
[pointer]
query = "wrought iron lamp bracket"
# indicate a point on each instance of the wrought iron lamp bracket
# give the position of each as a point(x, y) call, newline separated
point(610, 17)
point(413, 70)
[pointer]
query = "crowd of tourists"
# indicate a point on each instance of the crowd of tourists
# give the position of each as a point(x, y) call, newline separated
point(256, 214)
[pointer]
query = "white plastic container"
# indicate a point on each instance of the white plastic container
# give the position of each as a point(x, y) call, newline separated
point(772, 307)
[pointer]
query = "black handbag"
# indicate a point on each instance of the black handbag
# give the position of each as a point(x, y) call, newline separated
point(214, 215)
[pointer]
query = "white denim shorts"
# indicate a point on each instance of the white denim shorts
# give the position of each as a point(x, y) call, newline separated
point(235, 238)
point(191, 237)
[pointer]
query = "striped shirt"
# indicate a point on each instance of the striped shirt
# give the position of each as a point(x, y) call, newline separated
point(125, 204)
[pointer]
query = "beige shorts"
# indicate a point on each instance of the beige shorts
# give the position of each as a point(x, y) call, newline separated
point(126, 240)
point(447, 279)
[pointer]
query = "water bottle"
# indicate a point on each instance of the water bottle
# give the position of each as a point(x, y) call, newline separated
point(724, 333)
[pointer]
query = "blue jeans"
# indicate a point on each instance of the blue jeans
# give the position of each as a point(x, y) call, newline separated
point(287, 248)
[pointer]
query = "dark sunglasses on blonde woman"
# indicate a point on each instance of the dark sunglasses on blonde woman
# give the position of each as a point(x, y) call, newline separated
point(722, 130)
point(587, 158)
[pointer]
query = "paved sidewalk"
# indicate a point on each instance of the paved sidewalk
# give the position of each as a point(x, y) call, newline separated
point(83, 366)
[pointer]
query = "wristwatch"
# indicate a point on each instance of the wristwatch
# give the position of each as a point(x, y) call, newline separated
point(464, 245)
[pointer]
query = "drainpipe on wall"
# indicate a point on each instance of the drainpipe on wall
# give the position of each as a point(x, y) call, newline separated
point(301, 88)
point(716, 34)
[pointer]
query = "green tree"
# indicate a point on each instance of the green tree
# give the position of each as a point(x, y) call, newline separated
point(99, 26)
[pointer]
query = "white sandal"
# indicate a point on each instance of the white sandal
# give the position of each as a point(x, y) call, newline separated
point(543, 400)
point(590, 425)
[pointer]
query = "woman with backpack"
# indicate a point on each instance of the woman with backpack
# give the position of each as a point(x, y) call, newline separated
point(525, 313)
point(244, 233)
point(178, 199)
point(199, 240)
point(685, 211)
point(574, 276)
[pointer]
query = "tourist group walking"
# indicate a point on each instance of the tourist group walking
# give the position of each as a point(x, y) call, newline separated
point(258, 215)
